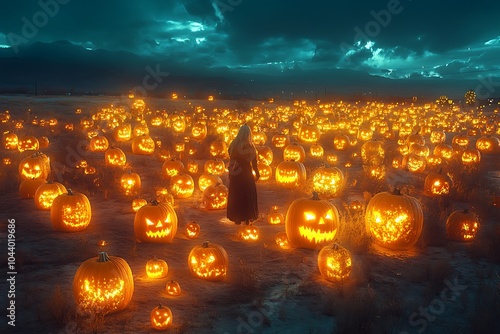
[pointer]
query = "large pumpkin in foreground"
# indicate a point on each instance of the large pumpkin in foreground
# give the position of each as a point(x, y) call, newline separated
point(70, 212)
point(311, 222)
point(103, 284)
point(208, 261)
point(394, 220)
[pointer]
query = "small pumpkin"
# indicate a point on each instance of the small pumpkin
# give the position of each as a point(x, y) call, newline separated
point(248, 232)
point(173, 288)
point(70, 212)
point(192, 230)
point(155, 222)
point(47, 193)
point(462, 225)
point(334, 263)
point(161, 317)
point(156, 268)
point(208, 261)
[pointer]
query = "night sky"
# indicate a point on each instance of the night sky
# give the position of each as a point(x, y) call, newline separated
point(314, 47)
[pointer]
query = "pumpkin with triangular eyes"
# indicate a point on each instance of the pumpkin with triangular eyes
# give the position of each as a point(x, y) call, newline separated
point(311, 222)
point(155, 223)
point(161, 317)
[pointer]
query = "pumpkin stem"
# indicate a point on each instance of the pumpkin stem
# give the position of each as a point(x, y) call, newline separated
point(335, 246)
point(155, 202)
point(205, 244)
point(103, 257)
point(70, 192)
point(397, 191)
point(160, 306)
point(466, 211)
point(315, 196)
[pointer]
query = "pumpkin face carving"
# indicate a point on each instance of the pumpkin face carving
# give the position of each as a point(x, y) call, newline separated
point(46, 193)
point(462, 225)
point(437, 184)
point(328, 180)
point(208, 261)
point(173, 288)
point(192, 230)
point(156, 268)
point(215, 197)
point(311, 222)
point(290, 174)
point(36, 166)
point(155, 223)
point(161, 317)
point(248, 233)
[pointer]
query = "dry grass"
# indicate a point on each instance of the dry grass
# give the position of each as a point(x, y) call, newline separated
point(58, 308)
point(352, 232)
point(485, 317)
point(245, 283)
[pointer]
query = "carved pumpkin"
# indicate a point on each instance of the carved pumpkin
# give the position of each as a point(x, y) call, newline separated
point(173, 288)
point(266, 172)
point(248, 233)
point(461, 140)
point(130, 183)
point(414, 163)
point(216, 167)
point(215, 197)
point(334, 263)
point(206, 180)
point(155, 223)
point(163, 196)
point(123, 132)
point(28, 187)
point(28, 143)
point(488, 144)
point(275, 217)
point(438, 137)
point(264, 155)
point(161, 318)
point(103, 284)
point(471, 157)
point(341, 142)
point(182, 186)
point(328, 181)
point(70, 212)
point(373, 153)
point(115, 157)
point(192, 167)
point(218, 149)
point(281, 240)
point(36, 166)
point(462, 225)
point(259, 137)
point(47, 193)
point(199, 131)
point(437, 184)
point(143, 145)
point(192, 230)
point(172, 167)
point(394, 220)
point(443, 150)
point(138, 203)
point(311, 222)
point(316, 151)
point(290, 174)
point(280, 140)
point(10, 141)
point(156, 268)
point(98, 144)
point(294, 152)
point(208, 261)
point(309, 133)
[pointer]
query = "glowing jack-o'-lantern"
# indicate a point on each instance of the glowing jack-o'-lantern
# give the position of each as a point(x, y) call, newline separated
point(414, 163)
point(130, 183)
point(115, 157)
point(199, 131)
point(123, 132)
point(328, 180)
point(438, 137)
point(264, 155)
point(103, 284)
point(309, 133)
point(488, 144)
point(138, 203)
point(373, 153)
point(10, 141)
point(208, 261)
point(28, 143)
point(172, 167)
point(163, 196)
point(443, 150)
point(462, 225)
point(156, 268)
point(28, 187)
point(281, 240)
point(46, 193)
point(140, 130)
point(460, 140)
point(216, 167)
point(36, 166)
point(341, 142)
point(173, 288)
point(266, 172)
point(275, 217)
point(471, 157)
point(192, 230)
point(334, 263)
point(161, 317)
point(316, 151)
point(311, 222)
point(394, 220)
point(155, 223)
point(143, 145)
point(280, 140)
point(290, 174)
point(248, 233)
point(98, 144)
point(259, 138)
point(215, 197)
point(294, 152)
point(70, 212)
point(437, 184)
point(192, 167)
point(206, 180)
point(218, 149)
point(182, 186)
